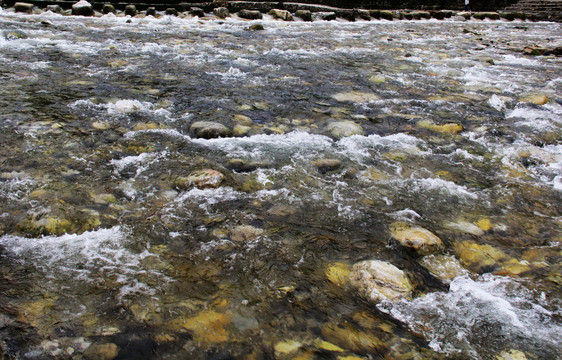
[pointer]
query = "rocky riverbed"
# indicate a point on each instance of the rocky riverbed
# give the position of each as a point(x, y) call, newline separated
point(182, 187)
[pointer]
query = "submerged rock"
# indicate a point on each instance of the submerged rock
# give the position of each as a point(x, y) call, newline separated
point(417, 238)
point(479, 257)
point(342, 129)
point(245, 233)
point(511, 355)
point(378, 280)
point(102, 352)
point(338, 273)
point(208, 327)
point(443, 267)
point(450, 128)
point(286, 347)
point(355, 96)
point(347, 336)
point(326, 165)
point(206, 178)
point(281, 14)
point(209, 129)
point(82, 8)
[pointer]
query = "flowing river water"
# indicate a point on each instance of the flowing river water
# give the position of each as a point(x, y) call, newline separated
point(126, 233)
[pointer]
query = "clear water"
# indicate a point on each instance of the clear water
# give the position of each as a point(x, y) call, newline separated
point(100, 245)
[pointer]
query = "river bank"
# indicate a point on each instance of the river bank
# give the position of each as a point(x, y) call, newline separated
point(306, 12)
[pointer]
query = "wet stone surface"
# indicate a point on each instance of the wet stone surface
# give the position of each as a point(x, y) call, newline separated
point(176, 188)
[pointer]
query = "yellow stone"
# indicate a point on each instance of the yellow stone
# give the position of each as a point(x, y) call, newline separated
point(512, 355)
point(287, 347)
point(475, 255)
point(209, 327)
point(98, 125)
point(514, 267)
point(324, 345)
point(417, 238)
point(536, 99)
point(338, 273)
point(484, 224)
point(350, 357)
point(243, 120)
point(102, 352)
point(450, 128)
point(164, 338)
point(146, 126)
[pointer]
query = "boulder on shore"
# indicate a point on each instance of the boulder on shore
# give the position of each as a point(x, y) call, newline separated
point(281, 14)
point(221, 12)
point(250, 14)
point(305, 15)
point(23, 7)
point(82, 8)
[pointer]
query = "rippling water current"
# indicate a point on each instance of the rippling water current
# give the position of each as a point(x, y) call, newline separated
point(108, 248)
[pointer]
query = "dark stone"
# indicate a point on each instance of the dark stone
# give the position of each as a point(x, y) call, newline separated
point(364, 14)
point(376, 14)
point(54, 8)
point(306, 15)
point(82, 8)
point(250, 14)
point(171, 11)
point(130, 10)
point(327, 16)
point(221, 12)
point(387, 15)
point(256, 27)
point(108, 8)
point(195, 11)
point(151, 11)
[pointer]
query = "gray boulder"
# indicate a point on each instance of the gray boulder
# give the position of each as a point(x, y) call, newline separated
point(209, 130)
point(171, 12)
point(23, 7)
point(151, 11)
point(221, 12)
point(108, 8)
point(327, 16)
point(305, 15)
point(250, 14)
point(82, 8)
point(281, 14)
point(195, 11)
point(54, 8)
point(130, 10)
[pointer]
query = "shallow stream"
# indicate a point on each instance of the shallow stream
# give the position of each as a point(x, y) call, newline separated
point(111, 245)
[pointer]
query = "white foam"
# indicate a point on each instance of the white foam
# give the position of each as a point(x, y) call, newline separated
point(90, 257)
point(497, 103)
point(476, 316)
